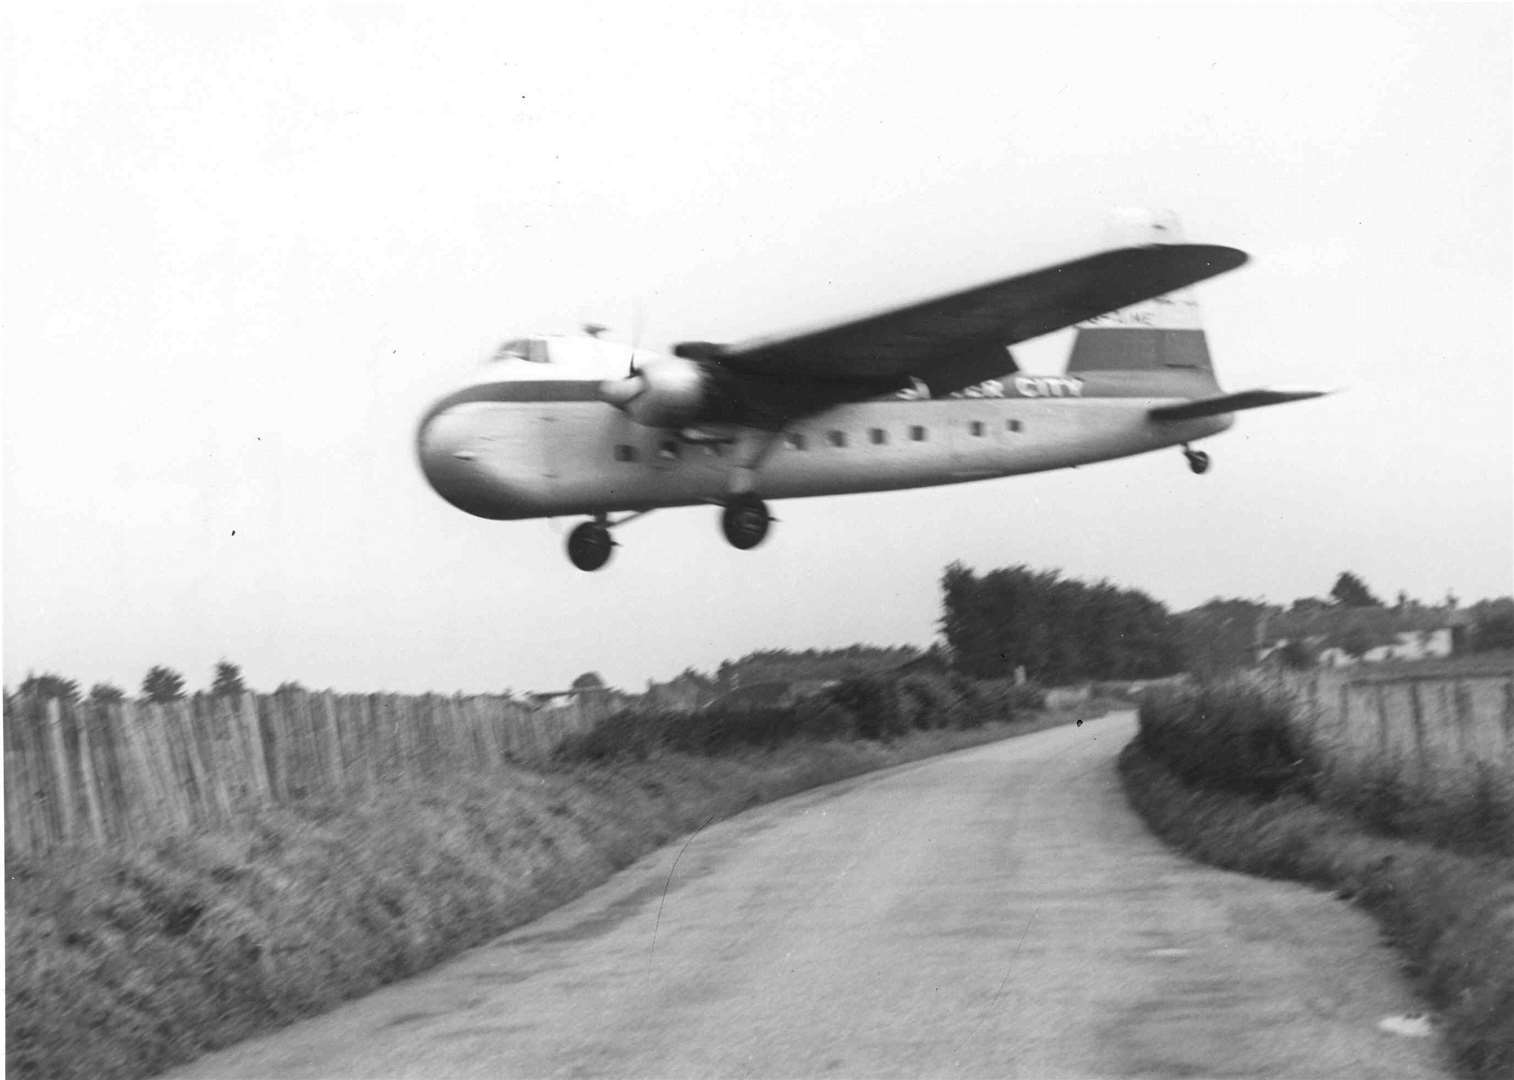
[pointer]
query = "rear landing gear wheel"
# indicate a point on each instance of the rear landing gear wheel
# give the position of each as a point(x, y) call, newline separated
point(1198, 461)
point(745, 521)
point(589, 545)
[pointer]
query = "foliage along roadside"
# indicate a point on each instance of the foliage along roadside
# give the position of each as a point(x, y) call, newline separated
point(878, 707)
point(1235, 795)
point(121, 964)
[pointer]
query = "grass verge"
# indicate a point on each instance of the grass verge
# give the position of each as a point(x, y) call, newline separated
point(121, 964)
point(1450, 915)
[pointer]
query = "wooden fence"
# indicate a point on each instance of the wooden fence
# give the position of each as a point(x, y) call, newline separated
point(80, 773)
point(1426, 735)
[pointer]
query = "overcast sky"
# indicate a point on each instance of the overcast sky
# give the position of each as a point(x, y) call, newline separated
point(246, 245)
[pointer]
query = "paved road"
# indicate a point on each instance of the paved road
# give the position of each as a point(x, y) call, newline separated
point(996, 913)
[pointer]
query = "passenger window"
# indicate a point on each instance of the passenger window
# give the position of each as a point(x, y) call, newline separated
point(796, 440)
point(977, 427)
point(1014, 425)
point(917, 433)
point(625, 453)
point(668, 449)
point(879, 436)
point(836, 438)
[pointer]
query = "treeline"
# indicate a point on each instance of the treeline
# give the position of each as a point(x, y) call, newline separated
point(769, 665)
point(877, 707)
point(1056, 630)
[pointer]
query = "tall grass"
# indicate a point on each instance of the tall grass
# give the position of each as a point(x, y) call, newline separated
point(1236, 737)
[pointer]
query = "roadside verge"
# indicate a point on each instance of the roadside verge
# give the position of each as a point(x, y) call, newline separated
point(121, 964)
point(1450, 915)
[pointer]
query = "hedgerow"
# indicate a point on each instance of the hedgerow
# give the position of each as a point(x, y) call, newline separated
point(876, 707)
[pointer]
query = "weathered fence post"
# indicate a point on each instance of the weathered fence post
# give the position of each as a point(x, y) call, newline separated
point(246, 716)
point(91, 790)
point(63, 780)
point(333, 740)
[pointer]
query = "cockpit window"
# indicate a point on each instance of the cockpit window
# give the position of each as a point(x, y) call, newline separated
point(532, 350)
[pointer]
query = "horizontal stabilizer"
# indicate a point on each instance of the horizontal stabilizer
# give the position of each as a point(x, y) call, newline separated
point(1229, 403)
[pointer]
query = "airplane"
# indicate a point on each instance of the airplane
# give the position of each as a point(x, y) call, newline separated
point(917, 396)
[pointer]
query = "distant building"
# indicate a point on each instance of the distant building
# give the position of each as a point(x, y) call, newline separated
point(1342, 636)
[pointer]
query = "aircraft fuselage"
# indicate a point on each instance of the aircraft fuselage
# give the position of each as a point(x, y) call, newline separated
point(532, 449)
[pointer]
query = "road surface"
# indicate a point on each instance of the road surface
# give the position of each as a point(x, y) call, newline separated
point(998, 912)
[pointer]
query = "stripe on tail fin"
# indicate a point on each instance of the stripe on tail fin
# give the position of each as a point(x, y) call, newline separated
point(1162, 334)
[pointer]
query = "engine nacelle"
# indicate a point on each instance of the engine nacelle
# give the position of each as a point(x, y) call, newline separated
point(665, 392)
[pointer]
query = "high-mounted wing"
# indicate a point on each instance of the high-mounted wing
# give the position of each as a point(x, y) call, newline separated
point(969, 329)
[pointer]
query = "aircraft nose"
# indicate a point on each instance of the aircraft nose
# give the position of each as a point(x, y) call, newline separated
point(449, 452)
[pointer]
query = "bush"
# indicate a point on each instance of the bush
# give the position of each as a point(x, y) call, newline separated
point(874, 701)
point(927, 702)
point(876, 707)
point(1234, 736)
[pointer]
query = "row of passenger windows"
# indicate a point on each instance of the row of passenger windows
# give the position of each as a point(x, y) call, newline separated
point(669, 449)
point(798, 440)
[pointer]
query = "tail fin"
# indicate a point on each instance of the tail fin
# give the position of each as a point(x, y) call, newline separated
point(1163, 334)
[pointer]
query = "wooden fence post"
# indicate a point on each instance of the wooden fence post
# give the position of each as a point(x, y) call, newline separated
point(373, 741)
point(333, 741)
point(21, 783)
point(87, 771)
point(1422, 783)
point(62, 778)
point(161, 746)
point(246, 715)
point(1508, 719)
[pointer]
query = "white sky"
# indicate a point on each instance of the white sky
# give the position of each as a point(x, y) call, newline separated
point(246, 245)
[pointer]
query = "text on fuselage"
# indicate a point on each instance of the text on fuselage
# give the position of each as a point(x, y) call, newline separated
point(1047, 386)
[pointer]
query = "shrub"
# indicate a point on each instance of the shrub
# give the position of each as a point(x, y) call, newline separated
point(874, 701)
point(1234, 736)
point(927, 702)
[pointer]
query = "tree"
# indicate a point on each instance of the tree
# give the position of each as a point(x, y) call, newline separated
point(228, 682)
point(49, 685)
point(1221, 635)
point(1352, 591)
point(589, 680)
point(162, 684)
point(104, 693)
point(1058, 630)
point(1493, 625)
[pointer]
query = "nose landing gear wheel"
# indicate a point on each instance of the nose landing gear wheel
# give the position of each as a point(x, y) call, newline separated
point(1198, 461)
point(745, 521)
point(589, 545)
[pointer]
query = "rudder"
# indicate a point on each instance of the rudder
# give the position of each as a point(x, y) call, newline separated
point(1163, 334)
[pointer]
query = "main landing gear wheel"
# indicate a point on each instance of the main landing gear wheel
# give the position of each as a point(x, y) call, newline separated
point(1198, 461)
point(589, 545)
point(745, 521)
